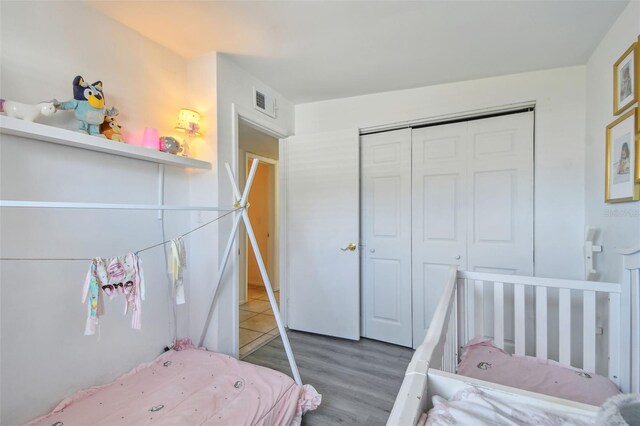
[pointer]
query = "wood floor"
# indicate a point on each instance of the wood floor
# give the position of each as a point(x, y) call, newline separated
point(358, 381)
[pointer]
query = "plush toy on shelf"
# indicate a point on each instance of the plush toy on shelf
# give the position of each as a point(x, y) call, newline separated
point(88, 104)
point(110, 127)
point(26, 112)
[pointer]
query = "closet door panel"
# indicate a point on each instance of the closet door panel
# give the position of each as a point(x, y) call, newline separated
point(501, 194)
point(438, 215)
point(322, 192)
point(500, 211)
point(386, 236)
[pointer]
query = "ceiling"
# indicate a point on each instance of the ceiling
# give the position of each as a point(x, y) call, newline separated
point(310, 51)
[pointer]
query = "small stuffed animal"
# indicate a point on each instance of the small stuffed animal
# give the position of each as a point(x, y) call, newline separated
point(25, 111)
point(88, 104)
point(110, 127)
point(170, 145)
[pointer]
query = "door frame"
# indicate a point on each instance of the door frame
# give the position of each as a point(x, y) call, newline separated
point(275, 260)
point(259, 122)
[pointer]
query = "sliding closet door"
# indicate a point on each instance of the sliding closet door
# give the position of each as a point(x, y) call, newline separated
point(438, 216)
point(321, 224)
point(472, 206)
point(500, 216)
point(500, 170)
point(386, 236)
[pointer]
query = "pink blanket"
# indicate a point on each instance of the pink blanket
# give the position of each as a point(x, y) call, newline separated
point(190, 387)
point(482, 360)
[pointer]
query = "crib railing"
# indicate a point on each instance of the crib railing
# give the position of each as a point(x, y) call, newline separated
point(473, 305)
point(440, 347)
point(465, 311)
point(631, 281)
point(482, 316)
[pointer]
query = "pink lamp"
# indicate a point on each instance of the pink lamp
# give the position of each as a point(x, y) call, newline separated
point(150, 138)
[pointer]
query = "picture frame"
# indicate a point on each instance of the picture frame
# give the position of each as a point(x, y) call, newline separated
point(621, 170)
point(625, 79)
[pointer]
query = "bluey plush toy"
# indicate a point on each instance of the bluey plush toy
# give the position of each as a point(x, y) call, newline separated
point(88, 104)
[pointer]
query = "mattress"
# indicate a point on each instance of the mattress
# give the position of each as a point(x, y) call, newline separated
point(482, 360)
point(189, 387)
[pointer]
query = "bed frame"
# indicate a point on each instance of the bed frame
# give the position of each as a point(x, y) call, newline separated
point(465, 311)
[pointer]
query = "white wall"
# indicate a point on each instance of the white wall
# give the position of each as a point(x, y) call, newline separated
point(619, 223)
point(235, 86)
point(203, 190)
point(45, 356)
point(559, 143)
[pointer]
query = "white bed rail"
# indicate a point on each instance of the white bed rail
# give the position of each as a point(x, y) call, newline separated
point(631, 280)
point(465, 312)
point(441, 343)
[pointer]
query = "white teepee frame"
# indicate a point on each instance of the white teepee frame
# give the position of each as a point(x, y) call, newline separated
point(242, 205)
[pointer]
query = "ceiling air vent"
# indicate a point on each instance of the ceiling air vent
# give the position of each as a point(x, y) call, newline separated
point(264, 102)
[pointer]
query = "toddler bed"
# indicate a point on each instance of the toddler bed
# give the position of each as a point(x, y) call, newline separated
point(189, 387)
point(470, 318)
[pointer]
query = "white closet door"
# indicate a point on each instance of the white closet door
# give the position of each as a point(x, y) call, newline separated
point(500, 185)
point(322, 217)
point(500, 217)
point(438, 216)
point(472, 206)
point(386, 236)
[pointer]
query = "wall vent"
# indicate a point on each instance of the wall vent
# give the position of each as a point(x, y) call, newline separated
point(264, 102)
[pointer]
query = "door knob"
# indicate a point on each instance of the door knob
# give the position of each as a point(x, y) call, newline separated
point(458, 257)
point(372, 250)
point(350, 247)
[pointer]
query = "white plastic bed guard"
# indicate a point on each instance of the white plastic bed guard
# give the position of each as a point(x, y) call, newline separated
point(240, 207)
point(464, 312)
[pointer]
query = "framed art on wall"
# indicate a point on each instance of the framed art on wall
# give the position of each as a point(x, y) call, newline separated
point(625, 80)
point(621, 151)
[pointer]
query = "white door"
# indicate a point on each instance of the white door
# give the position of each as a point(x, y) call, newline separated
point(386, 236)
point(500, 216)
point(472, 205)
point(500, 186)
point(322, 218)
point(438, 216)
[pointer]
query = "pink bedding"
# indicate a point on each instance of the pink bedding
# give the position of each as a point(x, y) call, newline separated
point(189, 387)
point(482, 360)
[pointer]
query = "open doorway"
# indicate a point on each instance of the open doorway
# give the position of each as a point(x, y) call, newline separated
point(256, 321)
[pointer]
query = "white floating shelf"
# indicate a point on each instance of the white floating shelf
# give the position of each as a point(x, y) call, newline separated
point(103, 206)
point(45, 133)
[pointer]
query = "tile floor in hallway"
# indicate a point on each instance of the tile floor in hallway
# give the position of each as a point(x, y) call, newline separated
point(257, 324)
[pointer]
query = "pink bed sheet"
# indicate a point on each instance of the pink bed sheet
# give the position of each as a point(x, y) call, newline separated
point(482, 360)
point(189, 387)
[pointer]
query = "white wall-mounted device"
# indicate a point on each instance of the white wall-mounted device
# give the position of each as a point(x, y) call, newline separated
point(590, 273)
